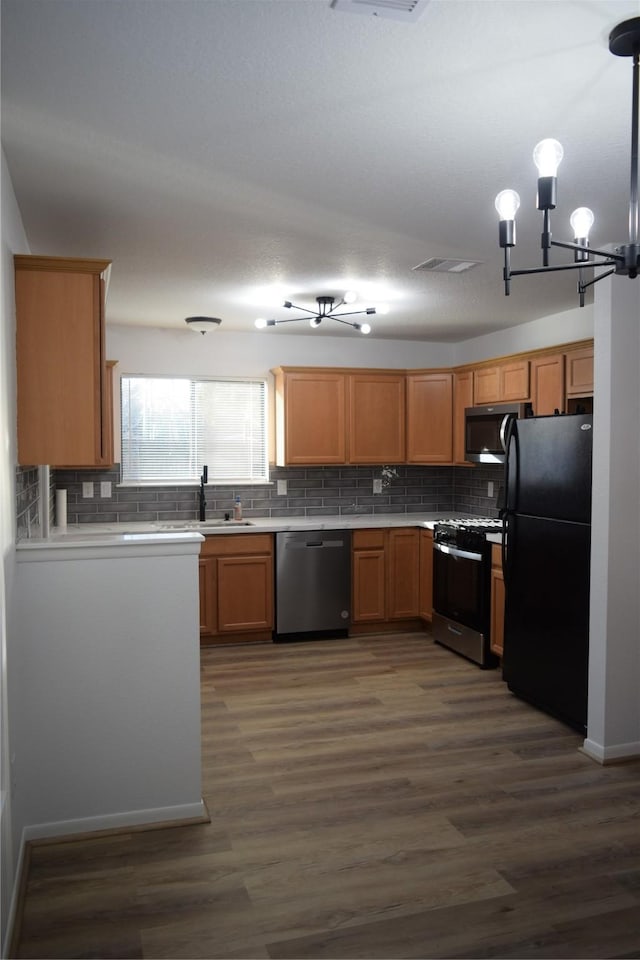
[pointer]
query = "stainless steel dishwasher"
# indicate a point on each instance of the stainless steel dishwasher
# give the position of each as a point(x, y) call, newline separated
point(313, 584)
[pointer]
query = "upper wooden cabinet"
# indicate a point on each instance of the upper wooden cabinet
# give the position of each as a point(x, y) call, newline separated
point(311, 411)
point(547, 384)
point(430, 417)
point(376, 403)
point(62, 384)
point(462, 398)
point(579, 372)
point(339, 416)
point(501, 383)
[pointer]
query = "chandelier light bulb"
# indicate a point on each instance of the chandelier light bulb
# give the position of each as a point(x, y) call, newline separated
point(350, 296)
point(365, 328)
point(315, 322)
point(260, 323)
point(507, 203)
point(382, 308)
point(581, 221)
point(547, 156)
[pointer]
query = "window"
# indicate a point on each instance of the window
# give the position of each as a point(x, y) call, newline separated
point(172, 426)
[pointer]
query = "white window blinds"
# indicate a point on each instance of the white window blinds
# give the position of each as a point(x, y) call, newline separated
point(172, 426)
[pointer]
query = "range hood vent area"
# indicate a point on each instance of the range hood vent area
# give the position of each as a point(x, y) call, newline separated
point(409, 10)
point(440, 265)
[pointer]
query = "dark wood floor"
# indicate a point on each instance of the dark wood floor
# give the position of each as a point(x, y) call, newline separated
point(377, 798)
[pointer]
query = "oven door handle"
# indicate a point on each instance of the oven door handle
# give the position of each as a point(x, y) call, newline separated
point(456, 552)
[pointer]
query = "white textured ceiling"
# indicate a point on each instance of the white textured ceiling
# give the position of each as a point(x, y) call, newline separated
point(214, 149)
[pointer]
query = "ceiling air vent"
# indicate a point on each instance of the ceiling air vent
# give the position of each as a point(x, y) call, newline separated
point(392, 9)
point(438, 265)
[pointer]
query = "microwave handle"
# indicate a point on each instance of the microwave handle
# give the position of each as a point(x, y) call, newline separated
point(504, 428)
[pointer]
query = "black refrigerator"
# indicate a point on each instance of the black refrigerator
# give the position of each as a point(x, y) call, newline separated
point(547, 544)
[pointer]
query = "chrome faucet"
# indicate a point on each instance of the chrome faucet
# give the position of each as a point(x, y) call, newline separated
point(202, 503)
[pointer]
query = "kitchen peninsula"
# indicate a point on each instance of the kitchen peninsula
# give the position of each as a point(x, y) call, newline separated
point(111, 649)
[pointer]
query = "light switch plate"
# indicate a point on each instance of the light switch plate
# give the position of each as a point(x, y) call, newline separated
point(87, 490)
point(377, 485)
point(490, 488)
point(105, 489)
point(282, 488)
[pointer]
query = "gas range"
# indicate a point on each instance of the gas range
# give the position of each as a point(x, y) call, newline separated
point(465, 532)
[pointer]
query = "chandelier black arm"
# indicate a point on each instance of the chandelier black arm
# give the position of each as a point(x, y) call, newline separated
point(564, 266)
point(352, 313)
point(581, 249)
point(291, 319)
point(313, 313)
point(349, 323)
point(589, 283)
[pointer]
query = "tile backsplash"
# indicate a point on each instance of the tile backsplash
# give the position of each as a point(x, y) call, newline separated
point(311, 491)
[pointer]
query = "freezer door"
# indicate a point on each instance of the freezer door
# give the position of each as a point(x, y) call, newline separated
point(546, 642)
point(548, 471)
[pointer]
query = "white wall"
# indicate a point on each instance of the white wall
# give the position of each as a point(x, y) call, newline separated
point(13, 241)
point(567, 327)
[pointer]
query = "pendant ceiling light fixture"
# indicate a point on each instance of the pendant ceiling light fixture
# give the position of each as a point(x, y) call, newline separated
point(202, 324)
point(624, 41)
point(326, 311)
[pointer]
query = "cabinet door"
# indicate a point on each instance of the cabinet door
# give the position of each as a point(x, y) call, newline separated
point(429, 418)
point(426, 574)
point(547, 384)
point(369, 585)
point(462, 398)
point(207, 580)
point(244, 593)
point(314, 418)
point(514, 380)
point(497, 602)
point(376, 418)
point(579, 372)
point(403, 573)
point(61, 367)
point(486, 385)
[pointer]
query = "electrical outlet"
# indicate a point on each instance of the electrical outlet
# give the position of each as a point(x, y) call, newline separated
point(282, 488)
point(377, 486)
point(87, 490)
point(105, 489)
point(490, 488)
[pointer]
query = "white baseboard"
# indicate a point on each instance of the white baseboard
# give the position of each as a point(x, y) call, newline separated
point(616, 753)
point(15, 901)
point(184, 812)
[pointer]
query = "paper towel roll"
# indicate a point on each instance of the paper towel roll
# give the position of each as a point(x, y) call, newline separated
point(61, 508)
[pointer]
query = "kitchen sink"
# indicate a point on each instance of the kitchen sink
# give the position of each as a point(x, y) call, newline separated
point(201, 524)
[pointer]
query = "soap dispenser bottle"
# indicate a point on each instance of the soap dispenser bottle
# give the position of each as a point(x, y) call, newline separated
point(237, 509)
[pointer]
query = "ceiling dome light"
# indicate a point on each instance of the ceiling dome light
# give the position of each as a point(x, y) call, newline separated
point(203, 324)
point(350, 296)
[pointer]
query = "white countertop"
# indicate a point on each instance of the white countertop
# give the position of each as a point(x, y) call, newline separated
point(171, 533)
point(176, 530)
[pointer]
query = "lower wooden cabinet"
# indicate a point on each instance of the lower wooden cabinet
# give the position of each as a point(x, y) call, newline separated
point(236, 588)
point(385, 575)
point(426, 574)
point(497, 601)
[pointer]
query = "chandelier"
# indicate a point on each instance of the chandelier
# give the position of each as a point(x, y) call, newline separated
point(624, 41)
point(326, 311)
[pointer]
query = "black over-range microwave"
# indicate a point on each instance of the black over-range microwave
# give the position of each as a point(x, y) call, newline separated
point(485, 430)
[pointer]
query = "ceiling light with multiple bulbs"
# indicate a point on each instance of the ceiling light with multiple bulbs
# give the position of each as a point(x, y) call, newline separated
point(327, 306)
point(624, 41)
